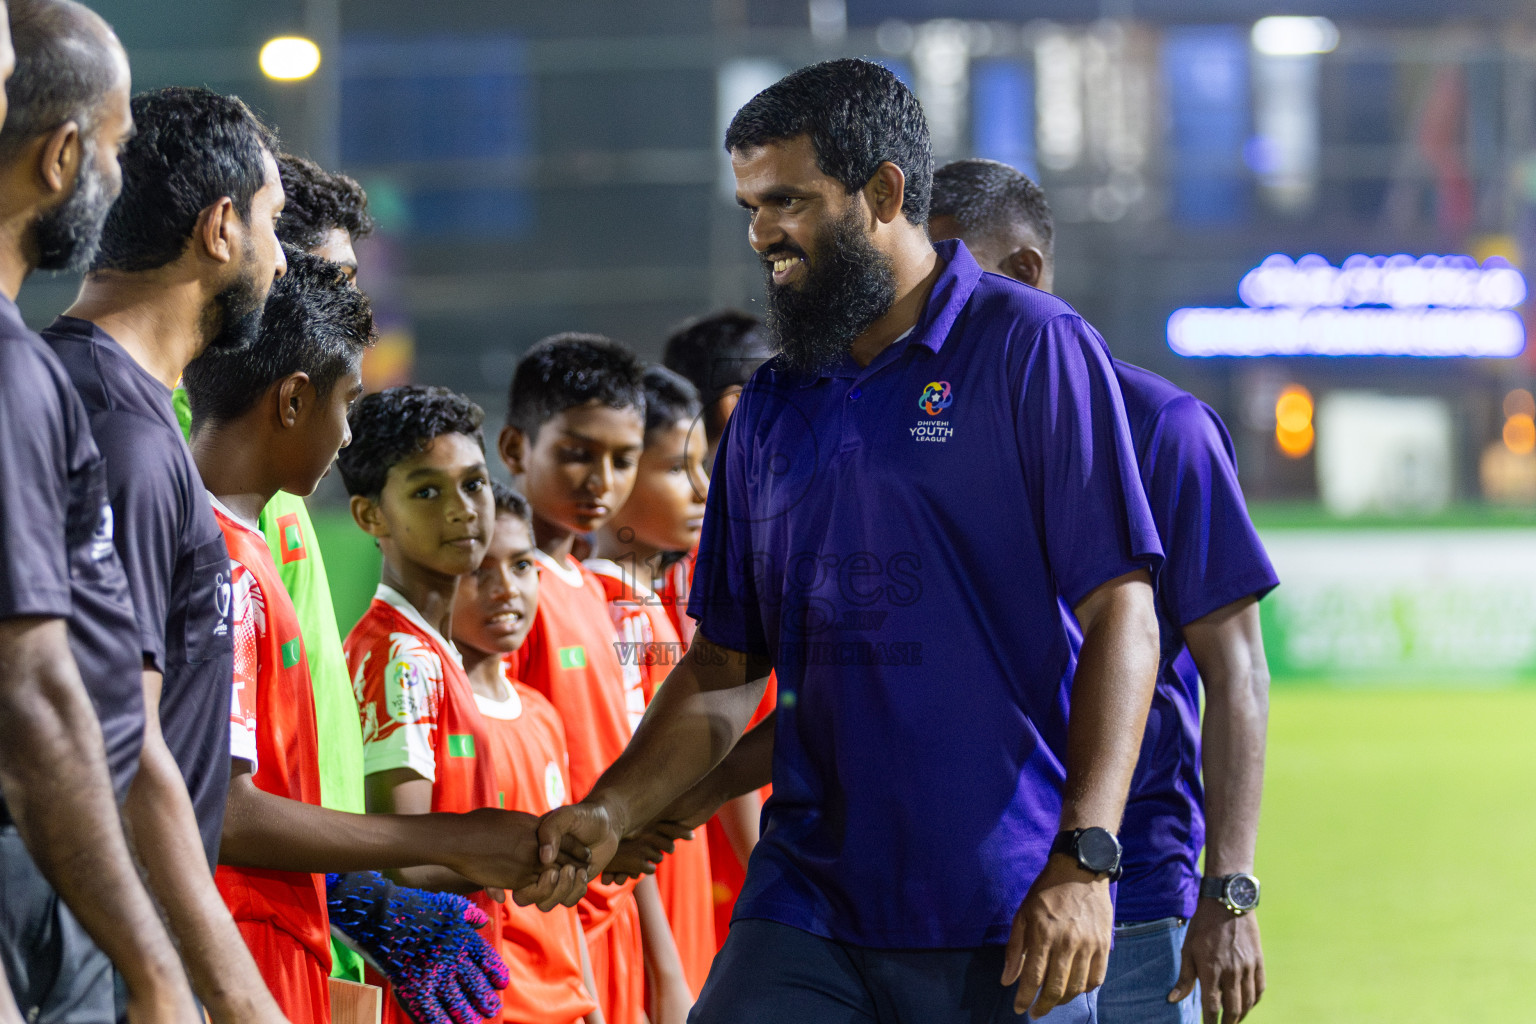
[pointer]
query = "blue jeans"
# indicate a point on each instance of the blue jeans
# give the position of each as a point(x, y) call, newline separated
point(770, 973)
point(1143, 969)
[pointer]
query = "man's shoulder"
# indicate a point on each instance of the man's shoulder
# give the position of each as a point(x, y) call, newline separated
point(35, 378)
point(1000, 303)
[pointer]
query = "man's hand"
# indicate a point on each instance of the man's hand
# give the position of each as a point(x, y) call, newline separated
point(588, 826)
point(641, 854)
point(1059, 946)
point(500, 849)
point(1222, 951)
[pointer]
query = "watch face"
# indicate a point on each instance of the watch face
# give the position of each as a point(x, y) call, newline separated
point(1098, 851)
point(1243, 892)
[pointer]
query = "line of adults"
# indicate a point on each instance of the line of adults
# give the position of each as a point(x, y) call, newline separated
point(976, 549)
point(120, 791)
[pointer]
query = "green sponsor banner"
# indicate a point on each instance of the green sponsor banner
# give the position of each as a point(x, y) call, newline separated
point(1409, 606)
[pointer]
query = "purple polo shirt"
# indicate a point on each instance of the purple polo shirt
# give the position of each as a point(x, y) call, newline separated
point(1213, 556)
point(895, 538)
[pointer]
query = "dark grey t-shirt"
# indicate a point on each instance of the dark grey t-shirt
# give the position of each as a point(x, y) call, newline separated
point(56, 533)
point(170, 544)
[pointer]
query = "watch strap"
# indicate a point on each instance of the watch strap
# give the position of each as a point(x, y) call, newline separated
point(1213, 887)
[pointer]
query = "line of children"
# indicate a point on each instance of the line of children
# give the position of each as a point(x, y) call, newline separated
point(573, 438)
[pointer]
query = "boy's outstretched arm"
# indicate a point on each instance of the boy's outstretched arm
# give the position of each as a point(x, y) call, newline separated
point(667, 991)
point(166, 838)
point(54, 775)
point(494, 848)
point(696, 717)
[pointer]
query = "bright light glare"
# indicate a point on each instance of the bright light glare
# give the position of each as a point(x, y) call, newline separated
point(1294, 37)
point(1346, 332)
point(1520, 434)
point(289, 58)
point(1295, 444)
point(1293, 409)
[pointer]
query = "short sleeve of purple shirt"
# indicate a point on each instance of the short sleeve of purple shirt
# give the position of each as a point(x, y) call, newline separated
point(722, 595)
point(1079, 460)
point(35, 497)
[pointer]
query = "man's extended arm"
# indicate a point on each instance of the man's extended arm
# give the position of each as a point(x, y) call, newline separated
point(696, 717)
point(54, 775)
point(1059, 946)
point(1222, 951)
point(165, 836)
point(490, 847)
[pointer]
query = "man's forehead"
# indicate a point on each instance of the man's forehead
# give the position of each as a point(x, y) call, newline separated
point(780, 162)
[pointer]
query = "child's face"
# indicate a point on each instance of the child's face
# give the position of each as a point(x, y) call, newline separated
point(666, 509)
point(494, 608)
point(436, 510)
point(580, 467)
point(322, 431)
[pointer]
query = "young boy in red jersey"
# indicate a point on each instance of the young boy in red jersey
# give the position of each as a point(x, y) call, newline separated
point(546, 954)
point(419, 484)
point(296, 395)
point(660, 521)
point(575, 430)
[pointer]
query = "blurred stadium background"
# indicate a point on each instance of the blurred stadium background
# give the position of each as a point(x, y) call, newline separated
point(546, 167)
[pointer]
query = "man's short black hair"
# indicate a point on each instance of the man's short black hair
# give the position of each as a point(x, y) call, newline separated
point(985, 197)
point(510, 502)
point(314, 322)
point(858, 116)
point(717, 352)
point(669, 400)
point(319, 202)
point(566, 371)
point(193, 148)
point(64, 68)
point(390, 426)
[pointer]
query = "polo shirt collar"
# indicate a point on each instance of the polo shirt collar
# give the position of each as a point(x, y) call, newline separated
point(950, 294)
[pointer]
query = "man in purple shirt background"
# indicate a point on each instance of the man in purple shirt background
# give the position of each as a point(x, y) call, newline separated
point(1214, 573)
point(71, 717)
point(940, 823)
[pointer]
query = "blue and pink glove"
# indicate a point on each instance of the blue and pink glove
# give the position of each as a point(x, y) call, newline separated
point(425, 943)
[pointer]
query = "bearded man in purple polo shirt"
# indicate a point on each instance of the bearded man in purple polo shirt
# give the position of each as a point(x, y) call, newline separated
point(1171, 926)
point(934, 461)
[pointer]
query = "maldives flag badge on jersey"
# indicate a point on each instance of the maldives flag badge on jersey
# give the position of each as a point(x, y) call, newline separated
point(290, 538)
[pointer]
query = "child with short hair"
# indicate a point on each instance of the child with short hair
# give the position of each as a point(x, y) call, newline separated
point(575, 429)
point(546, 954)
point(659, 523)
point(420, 487)
point(265, 419)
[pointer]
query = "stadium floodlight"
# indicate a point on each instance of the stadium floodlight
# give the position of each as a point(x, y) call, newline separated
point(1285, 36)
point(289, 58)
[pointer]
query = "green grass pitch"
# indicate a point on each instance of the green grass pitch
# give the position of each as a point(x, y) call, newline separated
point(1396, 851)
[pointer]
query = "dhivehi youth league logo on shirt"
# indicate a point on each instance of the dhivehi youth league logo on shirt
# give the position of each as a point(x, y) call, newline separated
point(936, 397)
point(412, 678)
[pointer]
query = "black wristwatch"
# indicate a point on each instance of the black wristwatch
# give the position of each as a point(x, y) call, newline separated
point(1096, 850)
point(1238, 892)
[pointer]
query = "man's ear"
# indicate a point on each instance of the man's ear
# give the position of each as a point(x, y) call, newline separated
point(512, 446)
point(1026, 264)
point(58, 162)
point(886, 191)
point(217, 231)
point(367, 514)
point(295, 395)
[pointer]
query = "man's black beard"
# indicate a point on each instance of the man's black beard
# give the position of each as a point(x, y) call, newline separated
point(850, 285)
point(237, 311)
point(68, 235)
